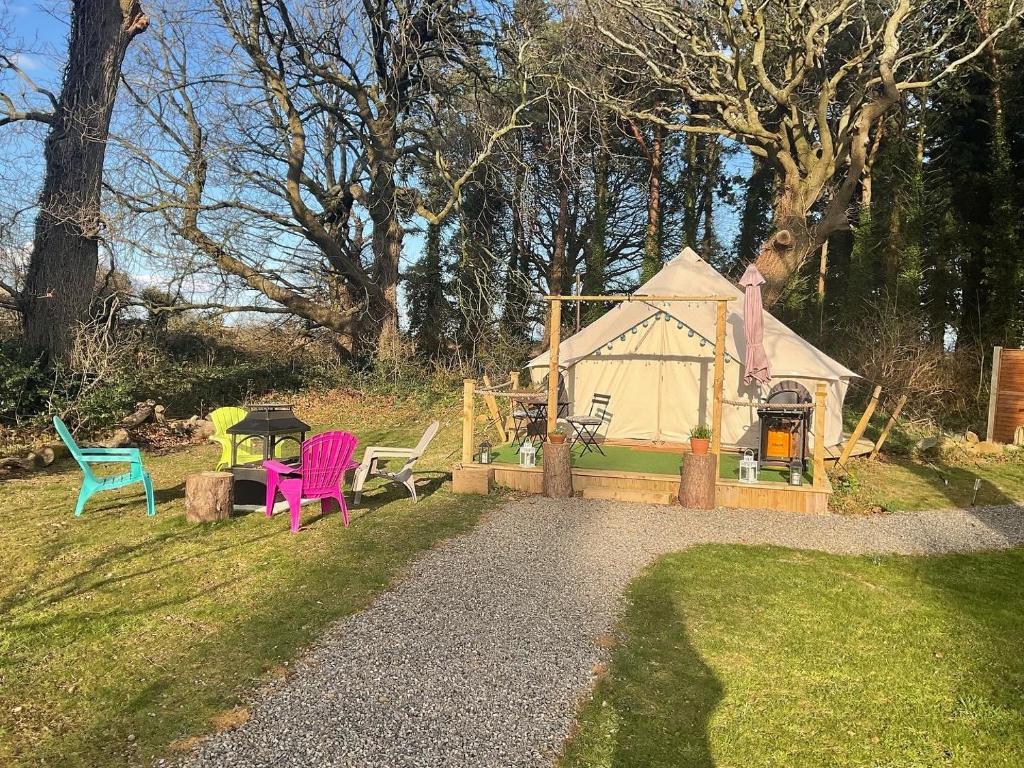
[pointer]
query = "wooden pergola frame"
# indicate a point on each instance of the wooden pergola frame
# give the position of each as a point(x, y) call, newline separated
point(721, 306)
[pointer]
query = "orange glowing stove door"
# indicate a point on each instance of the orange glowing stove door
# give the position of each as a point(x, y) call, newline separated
point(779, 444)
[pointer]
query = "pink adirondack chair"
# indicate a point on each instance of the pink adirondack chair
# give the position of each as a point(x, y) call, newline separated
point(325, 459)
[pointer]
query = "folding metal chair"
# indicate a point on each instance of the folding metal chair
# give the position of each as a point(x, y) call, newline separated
point(520, 425)
point(586, 427)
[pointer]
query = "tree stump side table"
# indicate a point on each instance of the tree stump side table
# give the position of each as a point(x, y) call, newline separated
point(697, 481)
point(557, 464)
point(209, 496)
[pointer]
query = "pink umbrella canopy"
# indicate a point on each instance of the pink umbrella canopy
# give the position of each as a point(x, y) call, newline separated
point(756, 363)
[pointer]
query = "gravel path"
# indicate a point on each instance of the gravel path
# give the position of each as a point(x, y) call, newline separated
point(481, 654)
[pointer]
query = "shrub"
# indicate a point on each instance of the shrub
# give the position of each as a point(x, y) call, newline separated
point(701, 432)
point(889, 347)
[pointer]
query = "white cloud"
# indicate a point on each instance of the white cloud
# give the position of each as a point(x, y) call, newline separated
point(26, 62)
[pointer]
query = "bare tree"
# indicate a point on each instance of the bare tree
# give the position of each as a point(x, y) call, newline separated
point(799, 83)
point(325, 111)
point(65, 252)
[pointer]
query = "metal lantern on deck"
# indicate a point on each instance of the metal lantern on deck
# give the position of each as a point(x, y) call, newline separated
point(796, 472)
point(528, 455)
point(748, 467)
point(485, 452)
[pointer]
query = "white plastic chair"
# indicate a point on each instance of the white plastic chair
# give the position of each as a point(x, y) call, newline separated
point(369, 468)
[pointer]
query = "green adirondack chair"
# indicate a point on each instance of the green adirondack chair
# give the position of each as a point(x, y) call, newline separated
point(223, 419)
point(91, 484)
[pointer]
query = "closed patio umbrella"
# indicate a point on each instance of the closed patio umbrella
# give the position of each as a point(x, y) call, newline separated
point(756, 362)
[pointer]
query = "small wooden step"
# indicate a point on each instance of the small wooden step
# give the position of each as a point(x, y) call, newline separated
point(638, 496)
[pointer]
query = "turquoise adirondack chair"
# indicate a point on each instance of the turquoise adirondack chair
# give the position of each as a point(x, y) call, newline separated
point(92, 484)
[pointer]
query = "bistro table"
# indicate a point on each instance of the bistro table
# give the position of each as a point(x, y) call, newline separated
point(535, 409)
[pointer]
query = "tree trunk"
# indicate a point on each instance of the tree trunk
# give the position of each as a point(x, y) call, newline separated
point(652, 237)
point(556, 272)
point(597, 255)
point(757, 206)
point(709, 241)
point(61, 273)
point(791, 245)
point(382, 323)
point(513, 317)
point(691, 217)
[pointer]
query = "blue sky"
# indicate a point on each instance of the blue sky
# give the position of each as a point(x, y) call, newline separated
point(43, 32)
point(40, 30)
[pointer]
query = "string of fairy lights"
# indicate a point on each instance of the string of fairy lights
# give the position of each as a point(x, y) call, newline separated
point(663, 316)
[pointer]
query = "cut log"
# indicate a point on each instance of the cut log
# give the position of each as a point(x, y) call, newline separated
point(118, 439)
point(209, 496)
point(45, 455)
point(557, 470)
point(143, 413)
point(697, 481)
point(17, 462)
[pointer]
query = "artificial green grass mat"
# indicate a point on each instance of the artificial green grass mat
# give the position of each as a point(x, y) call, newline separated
point(740, 656)
point(621, 458)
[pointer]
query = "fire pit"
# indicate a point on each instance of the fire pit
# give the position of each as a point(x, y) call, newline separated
point(269, 425)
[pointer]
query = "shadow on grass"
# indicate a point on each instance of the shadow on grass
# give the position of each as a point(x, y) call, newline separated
point(90, 577)
point(955, 484)
point(320, 577)
point(427, 484)
point(656, 710)
point(892, 660)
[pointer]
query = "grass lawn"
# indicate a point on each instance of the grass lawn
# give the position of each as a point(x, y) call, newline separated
point(122, 634)
point(739, 656)
point(623, 458)
point(905, 484)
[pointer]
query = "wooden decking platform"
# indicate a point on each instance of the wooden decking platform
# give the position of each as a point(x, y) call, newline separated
point(650, 488)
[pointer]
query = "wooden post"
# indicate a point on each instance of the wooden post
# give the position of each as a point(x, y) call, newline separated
point(719, 382)
point(556, 330)
point(492, 408)
point(468, 385)
point(510, 423)
point(858, 431)
point(888, 426)
point(993, 394)
point(820, 394)
point(209, 496)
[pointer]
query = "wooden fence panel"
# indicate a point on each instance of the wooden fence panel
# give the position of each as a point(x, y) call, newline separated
point(1006, 401)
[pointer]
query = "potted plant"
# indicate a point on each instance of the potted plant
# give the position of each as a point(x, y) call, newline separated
point(557, 437)
point(700, 437)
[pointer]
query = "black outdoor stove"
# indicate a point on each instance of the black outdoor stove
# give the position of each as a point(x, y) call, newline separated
point(270, 425)
point(784, 418)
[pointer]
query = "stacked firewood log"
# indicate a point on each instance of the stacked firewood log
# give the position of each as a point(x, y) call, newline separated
point(148, 424)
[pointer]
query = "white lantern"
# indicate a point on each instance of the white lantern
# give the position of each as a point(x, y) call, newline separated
point(527, 455)
point(748, 467)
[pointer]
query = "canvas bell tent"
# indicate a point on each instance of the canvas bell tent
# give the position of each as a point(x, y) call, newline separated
point(656, 361)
